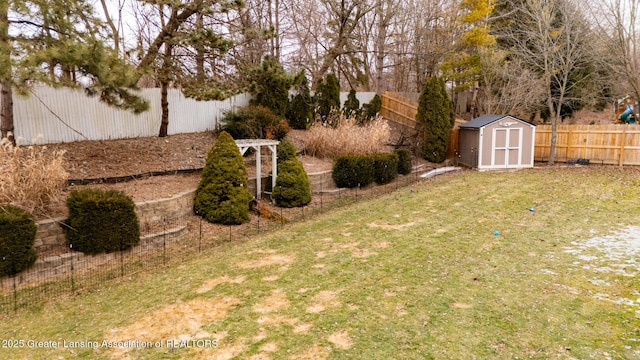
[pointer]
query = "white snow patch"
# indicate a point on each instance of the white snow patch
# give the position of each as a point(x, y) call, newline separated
point(618, 253)
point(599, 282)
point(439, 171)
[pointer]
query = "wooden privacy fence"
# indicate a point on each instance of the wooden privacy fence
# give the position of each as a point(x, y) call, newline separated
point(403, 111)
point(399, 109)
point(617, 144)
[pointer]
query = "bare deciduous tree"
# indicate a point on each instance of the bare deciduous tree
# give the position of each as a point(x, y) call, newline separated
point(551, 39)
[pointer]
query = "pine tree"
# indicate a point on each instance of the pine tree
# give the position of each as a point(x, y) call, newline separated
point(435, 119)
point(222, 195)
point(327, 96)
point(371, 109)
point(300, 113)
point(352, 105)
point(269, 84)
point(59, 43)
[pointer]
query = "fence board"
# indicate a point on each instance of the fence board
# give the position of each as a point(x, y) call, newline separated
point(399, 109)
point(617, 144)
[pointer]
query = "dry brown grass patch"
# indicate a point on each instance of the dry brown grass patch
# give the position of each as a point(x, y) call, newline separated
point(182, 320)
point(341, 340)
point(323, 300)
point(391, 227)
point(315, 352)
point(348, 138)
point(212, 283)
point(275, 302)
point(275, 259)
point(32, 177)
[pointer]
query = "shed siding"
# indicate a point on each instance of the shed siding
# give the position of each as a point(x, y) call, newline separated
point(525, 139)
point(497, 143)
point(468, 143)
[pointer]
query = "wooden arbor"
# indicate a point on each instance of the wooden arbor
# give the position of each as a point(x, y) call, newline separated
point(245, 144)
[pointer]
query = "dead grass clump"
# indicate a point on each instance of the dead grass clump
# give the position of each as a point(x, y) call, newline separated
point(31, 176)
point(347, 138)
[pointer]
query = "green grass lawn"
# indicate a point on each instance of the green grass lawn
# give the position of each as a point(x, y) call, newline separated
point(415, 274)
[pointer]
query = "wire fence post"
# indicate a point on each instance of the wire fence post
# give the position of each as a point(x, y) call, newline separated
point(321, 195)
point(164, 240)
point(200, 237)
point(15, 295)
point(73, 283)
point(121, 258)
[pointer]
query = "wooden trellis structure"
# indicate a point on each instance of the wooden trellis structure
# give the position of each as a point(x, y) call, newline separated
point(246, 144)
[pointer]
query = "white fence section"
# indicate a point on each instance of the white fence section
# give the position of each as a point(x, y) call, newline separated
point(65, 115)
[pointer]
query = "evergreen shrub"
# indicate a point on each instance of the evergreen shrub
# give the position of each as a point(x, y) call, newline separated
point(300, 112)
point(371, 110)
point(101, 221)
point(350, 171)
point(254, 122)
point(292, 184)
point(17, 236)
point(385, 167)
point(434, 120)
point(405, 161)
point(352, 105)
point(222, 195)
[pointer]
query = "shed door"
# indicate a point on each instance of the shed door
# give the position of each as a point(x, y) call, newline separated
point(506, 147)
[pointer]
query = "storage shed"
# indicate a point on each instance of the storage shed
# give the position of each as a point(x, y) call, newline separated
point(496, 142)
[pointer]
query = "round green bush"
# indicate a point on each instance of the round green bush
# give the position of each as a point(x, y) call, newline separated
point(292, 185)
point(222, 196)
point(385, 167)
point(405, 161)
point(17, 236)
point(101, 221)
point(254, 122)
point(351, 171)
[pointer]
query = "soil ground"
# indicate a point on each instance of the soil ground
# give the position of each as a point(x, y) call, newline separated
point(137, 158)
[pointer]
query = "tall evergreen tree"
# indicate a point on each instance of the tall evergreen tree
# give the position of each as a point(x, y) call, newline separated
point(300, 113)
point(269, 84)
point(352, 105)
point(435, 119)
point(327, 96)
point(60, 43)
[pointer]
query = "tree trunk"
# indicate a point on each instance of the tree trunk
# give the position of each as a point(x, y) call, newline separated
point(164, 86)
point(380, 46)
point(6, 113)
point(6, 93)
point(164, 104)
point(554, 132)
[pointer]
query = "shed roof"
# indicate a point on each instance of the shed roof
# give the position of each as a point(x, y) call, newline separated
point(485, 120)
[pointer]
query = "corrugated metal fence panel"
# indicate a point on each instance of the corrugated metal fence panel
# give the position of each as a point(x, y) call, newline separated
point(187, 115)
point(65, 115)
point(363, 97)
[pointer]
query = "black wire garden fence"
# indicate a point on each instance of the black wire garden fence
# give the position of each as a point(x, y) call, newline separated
point(62, 271)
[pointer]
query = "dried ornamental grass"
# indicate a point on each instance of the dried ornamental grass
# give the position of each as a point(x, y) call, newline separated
point(31, 176)
point(348, 138)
